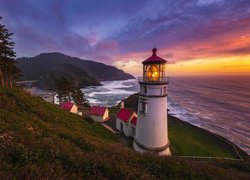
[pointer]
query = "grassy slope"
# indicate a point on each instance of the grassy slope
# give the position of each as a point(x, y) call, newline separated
point(188, 140)
point(40, 140)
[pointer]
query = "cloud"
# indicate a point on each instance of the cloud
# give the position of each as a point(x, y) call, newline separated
point(189, 31)
point(240, 50)
point(237, 66)
point(113, 31)
point(208, 2)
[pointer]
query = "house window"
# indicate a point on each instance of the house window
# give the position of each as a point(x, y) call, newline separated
point(133, 131)
point(165, 89)
point(143, 107)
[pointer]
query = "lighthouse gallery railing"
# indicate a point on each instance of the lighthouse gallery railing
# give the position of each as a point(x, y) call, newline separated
point(164, 79)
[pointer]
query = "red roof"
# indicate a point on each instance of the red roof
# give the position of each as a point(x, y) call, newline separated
point(154, 58)
point(124, 114)
point(97, 110)
point(67, 106)
point(134, 120)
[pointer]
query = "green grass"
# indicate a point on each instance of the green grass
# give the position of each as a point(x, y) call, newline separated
point(39, 140)
point(188, 140)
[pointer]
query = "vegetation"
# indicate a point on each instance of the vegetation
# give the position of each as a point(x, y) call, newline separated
point(8, 69)
point(48, 66)
point(63, 88)
point(67, 91)
point(189, 140)
point(39, 140)
point(79, 98)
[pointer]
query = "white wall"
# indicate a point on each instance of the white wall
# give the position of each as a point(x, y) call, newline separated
point(74, 109)
point(97, 118)
point(101, 118)
point(154, 90)
point(152, 128)
point(126, 127)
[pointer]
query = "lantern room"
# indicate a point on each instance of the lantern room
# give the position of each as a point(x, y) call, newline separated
point(154, 68)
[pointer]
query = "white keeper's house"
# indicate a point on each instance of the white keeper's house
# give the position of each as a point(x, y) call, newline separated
point(126, 121)
point(99, 114)
point(71, 107)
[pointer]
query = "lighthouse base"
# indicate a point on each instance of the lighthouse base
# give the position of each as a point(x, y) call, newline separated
point(162, 151)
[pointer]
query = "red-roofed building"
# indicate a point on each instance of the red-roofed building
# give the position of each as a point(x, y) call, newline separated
point(124, 121)
point(68, 106)
point(99, 114)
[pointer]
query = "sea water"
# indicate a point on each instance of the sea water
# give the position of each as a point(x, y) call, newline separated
point(218, 104)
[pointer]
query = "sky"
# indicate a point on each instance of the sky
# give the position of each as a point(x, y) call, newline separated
point(196, 37)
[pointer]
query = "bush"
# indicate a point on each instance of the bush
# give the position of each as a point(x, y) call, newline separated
point(89, 119)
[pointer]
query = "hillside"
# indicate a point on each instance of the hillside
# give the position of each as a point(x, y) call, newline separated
point(39, 140)
point(47, 66)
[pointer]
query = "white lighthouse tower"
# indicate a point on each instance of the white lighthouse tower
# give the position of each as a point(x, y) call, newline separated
point(152, 124)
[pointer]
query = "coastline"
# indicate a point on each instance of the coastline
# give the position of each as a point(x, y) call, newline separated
point(131, 102)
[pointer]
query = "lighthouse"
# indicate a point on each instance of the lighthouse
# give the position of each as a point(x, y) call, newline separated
point(152, 123)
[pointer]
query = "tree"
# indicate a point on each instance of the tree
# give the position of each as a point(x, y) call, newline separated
point(79, 97)
point(8, 69)
point(63, 88)
point(68, 91)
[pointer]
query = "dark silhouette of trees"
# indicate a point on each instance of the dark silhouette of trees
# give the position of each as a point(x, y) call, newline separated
point(67, 92)
point(63, 88)
point(79, 97)
point(8, 70)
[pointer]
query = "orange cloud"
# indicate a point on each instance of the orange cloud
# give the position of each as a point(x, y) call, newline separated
point(226, 53)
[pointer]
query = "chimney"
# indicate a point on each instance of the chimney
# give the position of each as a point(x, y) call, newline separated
point(122, 105)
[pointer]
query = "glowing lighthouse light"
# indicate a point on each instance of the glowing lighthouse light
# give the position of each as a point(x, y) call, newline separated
point(154, 68)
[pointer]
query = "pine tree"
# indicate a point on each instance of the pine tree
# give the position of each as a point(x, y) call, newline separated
point(64, 89)
point(67, 91)
point(79, 97)
point(8, 69)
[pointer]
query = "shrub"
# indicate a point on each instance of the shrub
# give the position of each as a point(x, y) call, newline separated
point(89, 119)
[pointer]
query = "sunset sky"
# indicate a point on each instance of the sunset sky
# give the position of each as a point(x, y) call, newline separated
point(196, 37)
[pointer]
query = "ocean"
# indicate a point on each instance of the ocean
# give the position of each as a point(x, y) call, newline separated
point(218, 104)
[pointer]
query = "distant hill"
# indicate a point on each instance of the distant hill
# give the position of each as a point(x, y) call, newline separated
point(39, 140)
point(47, 66)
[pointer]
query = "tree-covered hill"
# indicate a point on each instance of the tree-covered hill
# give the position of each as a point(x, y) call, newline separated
point(39, 140)
point(84, 72)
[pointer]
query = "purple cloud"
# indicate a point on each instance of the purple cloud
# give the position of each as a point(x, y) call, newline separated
point(103, 30)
